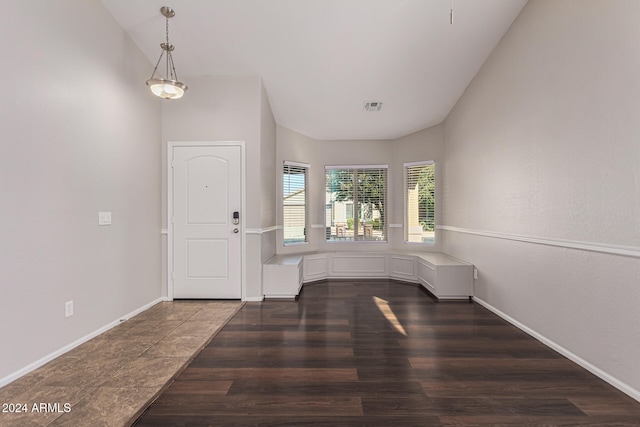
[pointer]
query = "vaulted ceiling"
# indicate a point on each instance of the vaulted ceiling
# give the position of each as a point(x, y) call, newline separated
point(321, 60)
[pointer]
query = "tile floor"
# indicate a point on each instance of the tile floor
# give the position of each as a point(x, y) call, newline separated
point(110, 379)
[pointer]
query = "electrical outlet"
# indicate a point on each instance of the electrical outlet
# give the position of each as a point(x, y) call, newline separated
point(68, 308)
point(475, 273)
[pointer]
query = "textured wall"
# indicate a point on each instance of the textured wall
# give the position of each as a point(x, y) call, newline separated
point(427, 144)
point(269, 176)
point(542, 163)
point(80, 134)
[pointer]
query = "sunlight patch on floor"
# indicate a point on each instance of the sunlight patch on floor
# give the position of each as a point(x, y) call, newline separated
point(388, 313)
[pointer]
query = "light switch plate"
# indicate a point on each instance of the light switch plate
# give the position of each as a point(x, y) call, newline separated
point(104, 218)
point(68, 308)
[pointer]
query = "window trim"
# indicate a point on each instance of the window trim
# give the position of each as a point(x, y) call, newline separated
point(405, 200)
point(288, 164)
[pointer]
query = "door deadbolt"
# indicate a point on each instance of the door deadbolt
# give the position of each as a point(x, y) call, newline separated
point(236, 218)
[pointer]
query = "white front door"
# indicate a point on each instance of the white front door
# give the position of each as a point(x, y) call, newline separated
point(207, 244)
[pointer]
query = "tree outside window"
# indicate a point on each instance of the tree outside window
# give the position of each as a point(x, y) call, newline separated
point(356, 203)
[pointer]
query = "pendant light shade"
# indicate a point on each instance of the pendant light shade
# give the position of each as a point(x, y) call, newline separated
point(169, 87)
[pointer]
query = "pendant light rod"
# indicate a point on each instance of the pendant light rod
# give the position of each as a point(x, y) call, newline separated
point(451, 14)
point(171, 87)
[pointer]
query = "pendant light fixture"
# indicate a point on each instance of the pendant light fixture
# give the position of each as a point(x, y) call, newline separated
point(170, 87)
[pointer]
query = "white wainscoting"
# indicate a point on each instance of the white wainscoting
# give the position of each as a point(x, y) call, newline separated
point(403, 268)
point(345, 265)
point(444, 276)
point(315, 267)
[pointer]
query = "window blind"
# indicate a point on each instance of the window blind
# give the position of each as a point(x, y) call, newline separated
point(420, 202)
point(295, 190)
point(356, 203)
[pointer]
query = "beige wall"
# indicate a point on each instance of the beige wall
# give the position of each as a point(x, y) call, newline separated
point(427, 144)
point(542, 160)
point(268, 178)
point(537, 178)
point(296, 147)
point(332, 153)
point(81, 134)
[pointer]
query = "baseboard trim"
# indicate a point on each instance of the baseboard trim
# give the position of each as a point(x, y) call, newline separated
point(38, 363)
point(620, 385)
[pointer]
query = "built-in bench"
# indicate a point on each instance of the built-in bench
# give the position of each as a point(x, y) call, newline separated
point(282, 276)
point(443, 276)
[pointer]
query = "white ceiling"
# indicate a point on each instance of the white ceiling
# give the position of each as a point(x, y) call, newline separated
point(320, 60)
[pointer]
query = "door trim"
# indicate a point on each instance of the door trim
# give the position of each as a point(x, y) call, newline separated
point(243, 257)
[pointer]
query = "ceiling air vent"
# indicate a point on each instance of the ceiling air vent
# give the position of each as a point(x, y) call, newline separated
point(372, 106)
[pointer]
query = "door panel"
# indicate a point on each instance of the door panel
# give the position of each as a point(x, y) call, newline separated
point(207, 246)
point(207, 258)
point(207, 203)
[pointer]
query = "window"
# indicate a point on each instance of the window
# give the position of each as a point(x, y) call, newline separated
point(420, 202)
point(355, 203)
point(295, 188)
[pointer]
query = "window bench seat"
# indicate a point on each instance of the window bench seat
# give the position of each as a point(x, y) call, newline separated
point(282, 276)
point(443, 276)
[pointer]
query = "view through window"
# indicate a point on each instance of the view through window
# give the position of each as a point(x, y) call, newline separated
point(420, 202)
point(355, 203)
point(295, 186)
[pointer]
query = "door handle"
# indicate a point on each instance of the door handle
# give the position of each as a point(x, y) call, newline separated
point(235, 230)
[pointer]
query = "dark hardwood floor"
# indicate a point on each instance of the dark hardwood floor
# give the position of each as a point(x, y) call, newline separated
point(382, 353)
